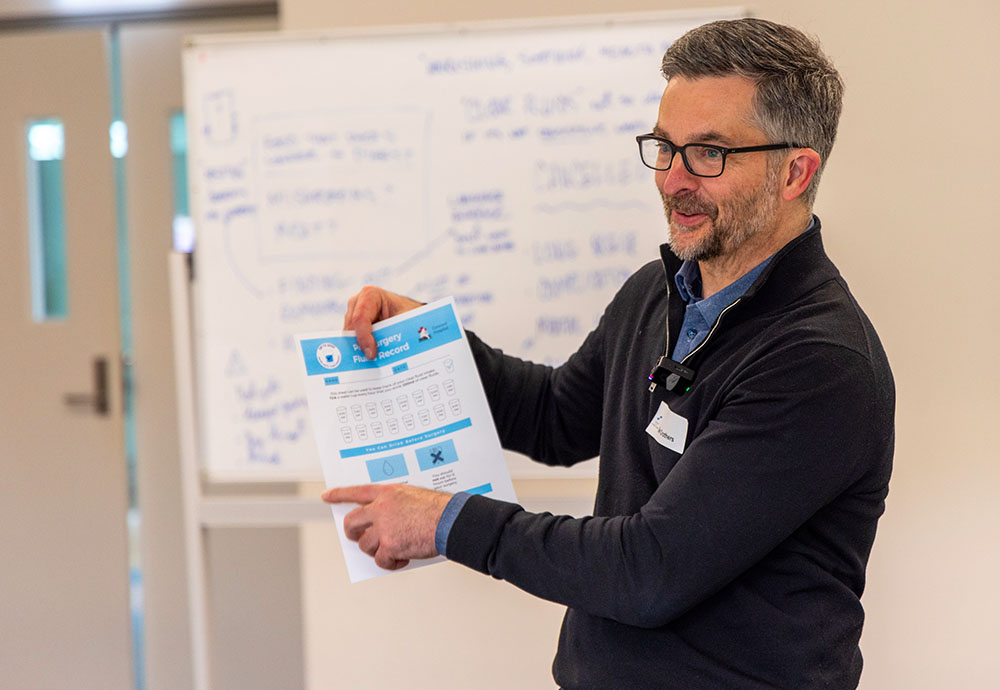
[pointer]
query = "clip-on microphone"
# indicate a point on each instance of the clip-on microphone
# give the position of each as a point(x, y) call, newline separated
point(669, 373)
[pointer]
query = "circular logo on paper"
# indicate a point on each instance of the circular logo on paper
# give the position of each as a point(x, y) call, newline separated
point(328, 356)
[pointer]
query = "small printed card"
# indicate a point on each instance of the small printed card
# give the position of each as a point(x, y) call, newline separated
point(668, 429)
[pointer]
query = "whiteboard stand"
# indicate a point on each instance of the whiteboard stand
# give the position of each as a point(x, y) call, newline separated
point(201, 512)
point(194, 546)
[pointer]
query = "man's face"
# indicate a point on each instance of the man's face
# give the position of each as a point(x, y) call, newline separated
point(711, 218)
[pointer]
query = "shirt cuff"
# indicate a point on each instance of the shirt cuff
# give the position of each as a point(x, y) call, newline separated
point(447, 519)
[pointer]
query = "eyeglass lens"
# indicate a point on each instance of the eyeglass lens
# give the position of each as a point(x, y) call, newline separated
point(700, 160)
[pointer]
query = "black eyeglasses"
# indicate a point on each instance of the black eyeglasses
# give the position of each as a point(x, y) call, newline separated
point(702, 160)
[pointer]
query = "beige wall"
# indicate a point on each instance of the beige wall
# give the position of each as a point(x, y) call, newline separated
point(909, 223)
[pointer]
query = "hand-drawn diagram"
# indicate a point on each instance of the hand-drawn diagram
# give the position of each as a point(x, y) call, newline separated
point(221, 118)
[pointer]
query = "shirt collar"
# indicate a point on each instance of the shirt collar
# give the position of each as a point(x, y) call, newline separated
point(688, 279)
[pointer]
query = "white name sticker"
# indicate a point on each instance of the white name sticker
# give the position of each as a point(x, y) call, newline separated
point(668, 429)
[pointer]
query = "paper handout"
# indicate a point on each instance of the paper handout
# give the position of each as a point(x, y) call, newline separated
point(415, 414)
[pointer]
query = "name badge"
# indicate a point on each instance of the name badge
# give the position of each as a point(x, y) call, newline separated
point(668, 429)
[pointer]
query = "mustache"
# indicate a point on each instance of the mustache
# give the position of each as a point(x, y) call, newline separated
point(689, 205)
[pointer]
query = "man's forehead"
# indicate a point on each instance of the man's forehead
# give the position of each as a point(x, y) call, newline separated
point(711, 110)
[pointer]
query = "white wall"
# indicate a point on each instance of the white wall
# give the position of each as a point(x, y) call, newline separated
point(908, 220)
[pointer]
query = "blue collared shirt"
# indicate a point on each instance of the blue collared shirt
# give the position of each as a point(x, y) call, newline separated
point(701, 314)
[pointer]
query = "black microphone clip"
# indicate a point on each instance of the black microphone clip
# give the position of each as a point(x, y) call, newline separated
point(668, 373)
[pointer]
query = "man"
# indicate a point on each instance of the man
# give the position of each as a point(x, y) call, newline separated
point(739, 493)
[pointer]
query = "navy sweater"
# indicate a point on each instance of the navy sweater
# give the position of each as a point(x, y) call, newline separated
point(739, 563)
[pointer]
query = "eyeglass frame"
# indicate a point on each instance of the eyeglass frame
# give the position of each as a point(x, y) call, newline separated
point(721, 149)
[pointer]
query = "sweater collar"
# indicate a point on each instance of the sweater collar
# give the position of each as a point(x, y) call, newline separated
point(798, 267)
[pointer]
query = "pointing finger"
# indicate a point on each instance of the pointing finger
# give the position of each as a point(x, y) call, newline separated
point(364, 494)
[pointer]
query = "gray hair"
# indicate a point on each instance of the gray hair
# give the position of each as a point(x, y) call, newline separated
point(799, 92)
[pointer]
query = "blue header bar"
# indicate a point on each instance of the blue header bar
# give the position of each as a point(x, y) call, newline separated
point(408, 441)
point(400, 340)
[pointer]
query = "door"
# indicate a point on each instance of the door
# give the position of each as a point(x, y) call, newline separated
point(64, 597)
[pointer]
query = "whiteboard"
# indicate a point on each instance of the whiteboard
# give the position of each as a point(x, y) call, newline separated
point(492, 162)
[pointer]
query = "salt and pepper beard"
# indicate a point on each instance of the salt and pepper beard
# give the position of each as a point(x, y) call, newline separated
point(747, 214)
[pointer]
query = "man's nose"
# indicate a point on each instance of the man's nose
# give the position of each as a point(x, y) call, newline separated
point(678, 178)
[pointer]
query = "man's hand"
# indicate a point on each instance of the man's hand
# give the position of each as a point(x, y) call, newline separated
point(369, 306)
point(396, 522)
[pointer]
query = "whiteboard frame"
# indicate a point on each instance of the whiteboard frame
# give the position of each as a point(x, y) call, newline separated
point(485, 25)
point(274, 475)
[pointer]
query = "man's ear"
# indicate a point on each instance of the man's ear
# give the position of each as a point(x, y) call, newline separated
point(799, 173)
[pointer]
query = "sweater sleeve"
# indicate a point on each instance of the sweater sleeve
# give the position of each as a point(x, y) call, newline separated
point(552, 415)
point(789, 439)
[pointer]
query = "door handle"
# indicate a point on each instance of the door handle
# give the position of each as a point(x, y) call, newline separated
point(98, 399)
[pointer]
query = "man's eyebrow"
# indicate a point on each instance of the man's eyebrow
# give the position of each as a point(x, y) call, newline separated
point(712, 137)
point(709, 136)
